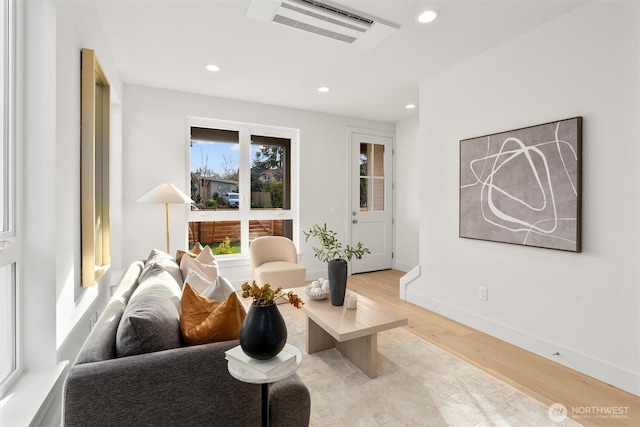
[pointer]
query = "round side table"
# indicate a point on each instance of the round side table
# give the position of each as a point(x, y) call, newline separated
point(247, 376)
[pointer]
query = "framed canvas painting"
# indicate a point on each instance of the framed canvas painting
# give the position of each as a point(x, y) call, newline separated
point(524, 186)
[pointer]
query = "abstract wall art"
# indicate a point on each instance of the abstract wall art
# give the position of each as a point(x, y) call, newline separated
point(524, 186)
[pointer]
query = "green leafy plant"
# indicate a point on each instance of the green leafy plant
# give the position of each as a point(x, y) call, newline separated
point(330, 248)
point(265, 295)
point(224, 248)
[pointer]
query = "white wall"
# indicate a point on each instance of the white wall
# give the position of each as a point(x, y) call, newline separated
point(584, 306)
point(155, 149)
point(78, 27)
point(407, 193)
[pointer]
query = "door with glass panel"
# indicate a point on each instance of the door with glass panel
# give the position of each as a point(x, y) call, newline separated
point(371, 200)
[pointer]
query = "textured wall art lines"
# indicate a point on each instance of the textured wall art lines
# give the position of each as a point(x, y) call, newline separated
point(523, 186)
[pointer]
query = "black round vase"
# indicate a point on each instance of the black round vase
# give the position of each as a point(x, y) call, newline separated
point(337, 280)
point(263, 333)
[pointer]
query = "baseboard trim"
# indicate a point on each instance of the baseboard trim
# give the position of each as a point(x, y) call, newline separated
point(603, 371)
point(403, 267)
point(407, 279)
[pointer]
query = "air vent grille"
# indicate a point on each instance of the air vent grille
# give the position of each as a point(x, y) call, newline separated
point(312, 29)
point(318, 16)
point(323, 19)
point(335, 11)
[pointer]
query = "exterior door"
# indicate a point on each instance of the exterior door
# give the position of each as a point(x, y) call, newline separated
point(371, 200)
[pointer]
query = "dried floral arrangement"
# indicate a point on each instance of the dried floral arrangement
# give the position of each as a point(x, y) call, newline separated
point(265, 295)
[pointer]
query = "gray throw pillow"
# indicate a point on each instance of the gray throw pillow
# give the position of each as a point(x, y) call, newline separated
point(151, 320)
point(159, 258)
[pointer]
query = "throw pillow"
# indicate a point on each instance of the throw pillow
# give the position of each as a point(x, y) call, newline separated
point(217, 290)
point(151, 320)
point(206, 256)
point(205, 321)
point(207, 270)
point(158, 258)
point(197, 248)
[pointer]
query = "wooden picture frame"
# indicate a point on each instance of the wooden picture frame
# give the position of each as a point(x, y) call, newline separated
point(523, 186)
point(94, 169)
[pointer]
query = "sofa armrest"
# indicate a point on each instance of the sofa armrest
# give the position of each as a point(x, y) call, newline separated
point(177, 387)
point(289, 403)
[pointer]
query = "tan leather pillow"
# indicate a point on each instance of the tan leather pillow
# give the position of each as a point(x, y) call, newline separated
point(194, 252)
point(205, 321)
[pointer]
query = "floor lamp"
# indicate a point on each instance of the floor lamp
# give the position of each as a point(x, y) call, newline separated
point(168, 194)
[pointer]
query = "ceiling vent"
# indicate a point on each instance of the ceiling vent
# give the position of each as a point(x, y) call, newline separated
point(323, 19)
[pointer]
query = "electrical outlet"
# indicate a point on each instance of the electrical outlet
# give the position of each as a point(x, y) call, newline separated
point(483, 293)
point(93, 320)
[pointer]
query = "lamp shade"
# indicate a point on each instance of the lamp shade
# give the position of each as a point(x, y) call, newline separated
point(166, 193)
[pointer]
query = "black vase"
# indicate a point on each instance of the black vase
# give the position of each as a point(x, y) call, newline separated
point(337, 280)
point(263, 333)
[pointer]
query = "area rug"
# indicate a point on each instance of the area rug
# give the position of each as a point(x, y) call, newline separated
point(418, 384)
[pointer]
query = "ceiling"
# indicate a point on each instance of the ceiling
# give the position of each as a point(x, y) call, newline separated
point(167, 43)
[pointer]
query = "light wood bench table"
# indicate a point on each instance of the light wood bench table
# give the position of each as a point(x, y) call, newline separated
point(353, 332)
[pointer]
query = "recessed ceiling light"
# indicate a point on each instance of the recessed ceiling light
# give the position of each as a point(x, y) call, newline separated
point(410, 106)
point(212, 67)
point(323, 89)
point(427, 16)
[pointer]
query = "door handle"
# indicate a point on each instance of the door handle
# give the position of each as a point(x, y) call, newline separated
point(355, 221)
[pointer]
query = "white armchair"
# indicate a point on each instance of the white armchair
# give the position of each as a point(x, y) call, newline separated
point(274, 260)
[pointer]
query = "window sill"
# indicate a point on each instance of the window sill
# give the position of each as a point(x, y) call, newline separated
point(233, 260)
point(29, 399)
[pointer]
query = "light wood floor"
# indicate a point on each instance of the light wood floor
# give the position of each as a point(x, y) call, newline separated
point(542, 379)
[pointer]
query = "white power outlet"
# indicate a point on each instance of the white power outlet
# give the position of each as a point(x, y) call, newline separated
point(93, 320)
point(483, 293)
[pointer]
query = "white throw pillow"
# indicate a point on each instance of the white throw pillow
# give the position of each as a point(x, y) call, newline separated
point(212, 290)
point(207, 270)
point(206, 256)
point(198, 282)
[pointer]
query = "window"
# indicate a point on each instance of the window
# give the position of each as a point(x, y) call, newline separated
point(242, 183)
point(371, 177)
point(8, 246)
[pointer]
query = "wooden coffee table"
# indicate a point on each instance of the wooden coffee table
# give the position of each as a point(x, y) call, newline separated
point(353, 332)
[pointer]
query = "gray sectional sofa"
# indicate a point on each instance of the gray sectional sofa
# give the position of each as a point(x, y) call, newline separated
point(177, 385)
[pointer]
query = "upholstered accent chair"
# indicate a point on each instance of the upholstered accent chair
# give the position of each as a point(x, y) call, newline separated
point(274, 260)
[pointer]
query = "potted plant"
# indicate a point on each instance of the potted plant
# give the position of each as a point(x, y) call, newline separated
point(337, 256)
point(264, 332)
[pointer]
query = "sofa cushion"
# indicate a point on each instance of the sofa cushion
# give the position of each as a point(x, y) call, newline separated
point(101, 342)
point(158, 258)
point(280, 273)
point(151, 320)
point(206, 321)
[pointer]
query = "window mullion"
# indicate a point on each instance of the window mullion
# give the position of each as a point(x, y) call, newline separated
point(244, 210)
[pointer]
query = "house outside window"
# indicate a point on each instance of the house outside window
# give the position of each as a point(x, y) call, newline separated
point(243, 180)
point(9, 253)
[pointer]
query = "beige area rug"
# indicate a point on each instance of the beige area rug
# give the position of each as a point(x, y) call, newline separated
point(418, 384)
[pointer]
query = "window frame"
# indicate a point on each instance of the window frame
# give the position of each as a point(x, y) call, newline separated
point(244, 213)
point(94, 187)
point(10, 253)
